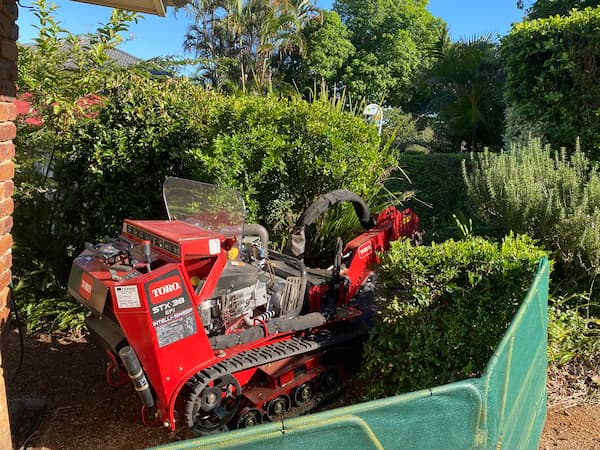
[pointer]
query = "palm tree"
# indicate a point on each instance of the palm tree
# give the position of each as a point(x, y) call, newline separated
point(250, 32)
point(215, 37)
point(467, 83)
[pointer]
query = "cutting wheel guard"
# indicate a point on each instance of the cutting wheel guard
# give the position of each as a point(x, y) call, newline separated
point(297, 242)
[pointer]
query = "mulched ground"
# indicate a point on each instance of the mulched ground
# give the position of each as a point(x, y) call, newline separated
point(573, 420)
point(81, 410)
point(62, 378)
point(573, 385)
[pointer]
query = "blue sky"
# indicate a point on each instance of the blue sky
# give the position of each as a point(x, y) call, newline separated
point(155, 36)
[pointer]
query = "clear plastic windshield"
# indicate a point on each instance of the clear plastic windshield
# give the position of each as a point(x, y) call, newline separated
point(216, 208)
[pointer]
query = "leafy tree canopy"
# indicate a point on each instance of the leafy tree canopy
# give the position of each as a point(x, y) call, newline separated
point(546, 8)
point(328, 46)
point(393, 39)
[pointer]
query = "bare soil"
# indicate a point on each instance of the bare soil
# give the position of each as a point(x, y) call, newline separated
point(82, 411)
point(60, 400)
point(573, 420)
point(574, 428)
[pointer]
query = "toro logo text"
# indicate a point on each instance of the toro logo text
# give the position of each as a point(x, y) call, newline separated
point(165, 289)
point(365, 250)
point(86, 285)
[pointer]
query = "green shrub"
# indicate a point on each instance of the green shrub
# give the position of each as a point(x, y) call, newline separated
point(439, 187)
point(292, 151)
point(547, 195)
point(280, 154)
point(443, 310)
point(110, 164)
point(572, 332)
point(42, 250)
point(552, 84)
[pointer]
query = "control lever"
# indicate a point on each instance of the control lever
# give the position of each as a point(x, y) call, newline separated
point(332, 295)
point(147, 254)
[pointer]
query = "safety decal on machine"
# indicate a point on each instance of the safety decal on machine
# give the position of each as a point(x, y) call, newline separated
point(127, 297)
point(86, 285)
point(171, 309)
point(214, 246)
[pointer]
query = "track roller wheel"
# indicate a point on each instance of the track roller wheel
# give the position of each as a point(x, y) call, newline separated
point(249, 417)
point(210, 408)
point(210, 398)
point(304, 393)
point(329, 381)
point(278, 406)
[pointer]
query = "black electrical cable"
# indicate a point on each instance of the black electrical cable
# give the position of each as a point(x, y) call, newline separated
point(19, 324)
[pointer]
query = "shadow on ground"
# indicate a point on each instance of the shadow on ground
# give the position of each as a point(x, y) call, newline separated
point(60, 399)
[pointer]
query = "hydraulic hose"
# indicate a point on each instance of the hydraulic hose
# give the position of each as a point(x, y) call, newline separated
point(134, 369)
point(251, 229)
point(297, 241)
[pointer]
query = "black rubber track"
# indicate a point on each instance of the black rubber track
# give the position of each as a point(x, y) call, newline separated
point(296, 345)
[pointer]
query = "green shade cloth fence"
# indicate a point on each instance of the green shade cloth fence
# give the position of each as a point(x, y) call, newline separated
point(503, 409)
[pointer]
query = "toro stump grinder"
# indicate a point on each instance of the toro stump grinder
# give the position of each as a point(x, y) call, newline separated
point(215, 330)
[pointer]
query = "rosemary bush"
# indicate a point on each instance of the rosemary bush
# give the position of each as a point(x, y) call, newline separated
point(549, 195)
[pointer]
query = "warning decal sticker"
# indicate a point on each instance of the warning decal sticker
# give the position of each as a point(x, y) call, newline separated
point(127, 297)
point(171, 309)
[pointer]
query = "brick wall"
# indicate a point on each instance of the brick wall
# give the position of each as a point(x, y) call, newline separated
point(8, 75)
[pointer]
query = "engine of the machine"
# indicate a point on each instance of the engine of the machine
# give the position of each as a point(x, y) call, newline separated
point(245, 296)
point(214, 329)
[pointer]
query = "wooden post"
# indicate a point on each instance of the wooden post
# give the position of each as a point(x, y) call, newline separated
point(9, 33)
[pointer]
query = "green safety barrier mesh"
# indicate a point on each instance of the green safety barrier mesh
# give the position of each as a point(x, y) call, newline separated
point(504, 408)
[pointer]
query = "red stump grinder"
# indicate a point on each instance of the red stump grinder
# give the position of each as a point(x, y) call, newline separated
point(215, 330)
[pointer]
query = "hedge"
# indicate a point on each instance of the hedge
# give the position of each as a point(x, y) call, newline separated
point(443, 309)
point(279, 153)
point(552, 88)
point(440, 191)
point(109, 164)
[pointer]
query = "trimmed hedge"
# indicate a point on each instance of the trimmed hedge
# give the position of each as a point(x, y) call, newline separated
point(552, 70)
point(443, 310)
point(437, 181)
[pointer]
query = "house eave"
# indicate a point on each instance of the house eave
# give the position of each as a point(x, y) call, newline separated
point(157, 7)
